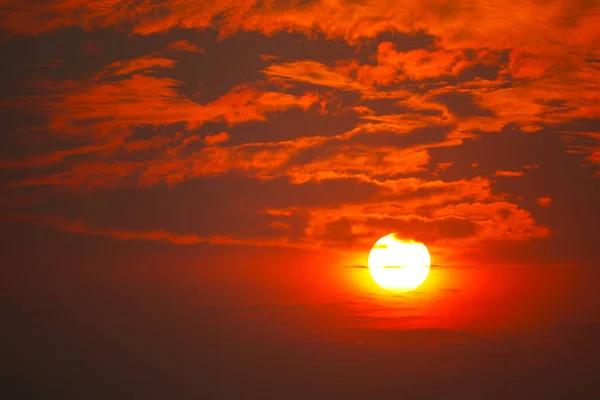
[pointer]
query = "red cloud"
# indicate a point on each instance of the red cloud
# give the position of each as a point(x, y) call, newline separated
point(185, 45)
point(542, 26)
point(509, 174)
point(550, 78)
point(152, 235)
point(544, 201)
point(142, 99)
point(103, 111)
point(595, 157)
point(316, 73)
point(360, 162)
point(442, 166)
point(148, 100)
point(523, 65)
point(420, 64)
point(441, 213)
point(393, 66)
point(141, 64)
point(216, 138)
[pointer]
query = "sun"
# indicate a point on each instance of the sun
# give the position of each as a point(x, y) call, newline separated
point(397, 264)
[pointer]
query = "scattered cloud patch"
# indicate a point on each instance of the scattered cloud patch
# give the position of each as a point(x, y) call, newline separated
point(184, 45)
point(544, 201)
point(216, 138)
point(509, 174)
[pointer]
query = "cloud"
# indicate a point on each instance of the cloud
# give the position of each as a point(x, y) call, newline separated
point(432, 266)
point(302, 160)
point(443, 166)
point(496, 220)
point(426, 230)
point(125, 95)
point(216, 138)
point(542, 26)
point(359, 162)
point(442, 214)
point(317, 74)
point(141, 64)
point(142, 99)
point(544, 201)
point(268, 57)
point(139, 121)
point(185, 45)
point(392, 67)
point(172, 165)
point(138, 97)
point(153, 235)
point(421, 64)
point(509, 174)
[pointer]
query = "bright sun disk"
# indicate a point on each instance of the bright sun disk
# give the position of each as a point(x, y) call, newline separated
point(397, 264)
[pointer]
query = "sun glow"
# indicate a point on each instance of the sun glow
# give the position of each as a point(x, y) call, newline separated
point(397, 264)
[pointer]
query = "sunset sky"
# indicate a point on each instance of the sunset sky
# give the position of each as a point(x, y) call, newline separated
point(190, 189)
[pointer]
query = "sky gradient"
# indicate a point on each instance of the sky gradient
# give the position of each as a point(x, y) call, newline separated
point(190, 189)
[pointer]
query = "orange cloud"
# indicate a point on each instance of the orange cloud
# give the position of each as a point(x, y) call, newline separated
point(421, 64)
point(143, 99)
point(355, 161)
point(267, 160)
point(496, 221)
point(47, 159)
point(509, 174)
point(543, 74)
point(280, 225)
point(446, 217)
point(185, 45)
point(544, 201)
point(542, 26)
point(87, 176)
point(442, 166)
point(393, 66)
point(595, 157)
point(555, 72)
point(141, 64)
point(216, 138)
point(315, 73)
point(152, 235)
point(148, 100)
point(455, 215)
point(523, 65)
point(567, 94)
point(104, 111)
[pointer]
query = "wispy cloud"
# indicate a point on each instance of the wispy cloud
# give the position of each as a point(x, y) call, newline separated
point(509, 174)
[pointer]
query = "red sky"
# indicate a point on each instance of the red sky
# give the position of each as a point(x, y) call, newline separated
point(190, 190)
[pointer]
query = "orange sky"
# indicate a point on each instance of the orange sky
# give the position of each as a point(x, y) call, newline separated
point(185, 179)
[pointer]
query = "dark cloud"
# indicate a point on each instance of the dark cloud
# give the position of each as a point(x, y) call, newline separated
point(428, 231)
point(221, 205)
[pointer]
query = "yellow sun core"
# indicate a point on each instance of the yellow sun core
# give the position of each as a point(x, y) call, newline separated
point(398, 265)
